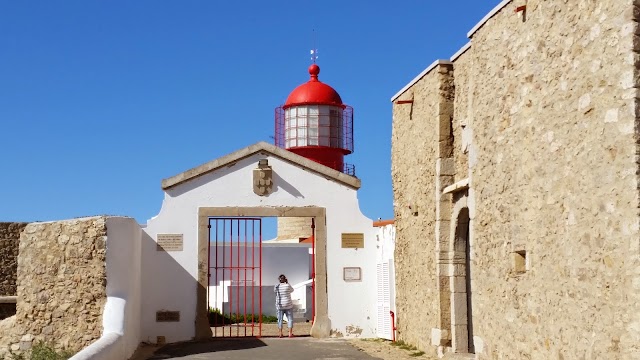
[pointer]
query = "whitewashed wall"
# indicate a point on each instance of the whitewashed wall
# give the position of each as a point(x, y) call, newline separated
point(121, 315)
point(170, 278)
point(293, 260)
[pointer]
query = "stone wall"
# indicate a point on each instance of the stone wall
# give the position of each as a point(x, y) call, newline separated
point(414, 152)
point(294, 228)
point(550, 101)
point(463, 113)
point(554, 135)
point(61, 286)
point(9, 239)
point(9, 242)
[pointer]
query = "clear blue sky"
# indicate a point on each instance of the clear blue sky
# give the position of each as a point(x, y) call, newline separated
point(101, 100)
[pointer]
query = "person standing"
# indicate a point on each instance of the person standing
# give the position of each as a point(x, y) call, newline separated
point(284, 304)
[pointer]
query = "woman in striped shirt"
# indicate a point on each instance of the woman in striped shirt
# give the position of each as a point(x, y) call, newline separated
point(284, 304)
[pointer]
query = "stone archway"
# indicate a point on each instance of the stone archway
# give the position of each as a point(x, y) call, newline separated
point(322, 324)
point(461, 303)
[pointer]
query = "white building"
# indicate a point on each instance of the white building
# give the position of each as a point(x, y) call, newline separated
point(204, 249)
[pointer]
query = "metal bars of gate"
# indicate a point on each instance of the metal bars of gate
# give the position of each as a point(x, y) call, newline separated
point(235, 261)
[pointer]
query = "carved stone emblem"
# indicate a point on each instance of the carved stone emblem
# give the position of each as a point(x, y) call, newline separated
point(263, 179)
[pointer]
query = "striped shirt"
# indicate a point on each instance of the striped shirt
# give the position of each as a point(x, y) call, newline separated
point(283, 296)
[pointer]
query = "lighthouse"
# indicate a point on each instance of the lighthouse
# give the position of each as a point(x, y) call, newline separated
point(314, 123)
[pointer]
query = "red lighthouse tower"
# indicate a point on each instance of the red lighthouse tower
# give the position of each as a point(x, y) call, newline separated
point(314, 123)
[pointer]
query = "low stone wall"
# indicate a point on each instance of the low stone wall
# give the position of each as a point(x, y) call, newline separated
point(9, 239)
point(61, 286)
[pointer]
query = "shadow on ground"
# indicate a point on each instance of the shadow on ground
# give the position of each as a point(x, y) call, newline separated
point(205, 347)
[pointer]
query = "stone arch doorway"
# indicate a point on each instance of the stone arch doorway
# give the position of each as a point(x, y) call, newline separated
point(321, 325)
point(461, 302)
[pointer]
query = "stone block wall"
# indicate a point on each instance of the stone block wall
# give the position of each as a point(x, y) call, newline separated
point(9, 240)
point(463, 115)
point(61, 286)
point(414, 152)
point(294, 227)
point(555, 122)
point(551, 103)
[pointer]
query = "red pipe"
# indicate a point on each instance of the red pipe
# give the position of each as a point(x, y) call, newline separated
point(393, 326)
point(238, 278)
point(260, 295)
point(313, 270)
point(208, 268)
point(245, 278)
point(253, 275)
point(230, 276)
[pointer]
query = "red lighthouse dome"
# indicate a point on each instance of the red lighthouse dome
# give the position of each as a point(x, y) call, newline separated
point(313, 92)
point(314, 123)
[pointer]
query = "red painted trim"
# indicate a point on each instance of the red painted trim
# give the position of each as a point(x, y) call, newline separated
point(380, 223)
point(400, 102)
point(521, 8)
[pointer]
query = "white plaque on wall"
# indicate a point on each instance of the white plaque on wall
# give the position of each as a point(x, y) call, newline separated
point(352, 274)
point(169, 242)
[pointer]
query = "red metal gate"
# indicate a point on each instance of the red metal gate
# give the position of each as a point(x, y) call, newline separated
point(234, 296)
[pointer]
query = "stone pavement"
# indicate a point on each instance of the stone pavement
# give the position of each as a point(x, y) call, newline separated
point(299, 348)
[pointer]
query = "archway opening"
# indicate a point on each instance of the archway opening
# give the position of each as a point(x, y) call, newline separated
point(462, 309)
point(319, 302)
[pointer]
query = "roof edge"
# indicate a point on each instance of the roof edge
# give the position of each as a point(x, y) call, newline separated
point(223, 161)
point(459, 53)
point(420, 76)
point(486, 18)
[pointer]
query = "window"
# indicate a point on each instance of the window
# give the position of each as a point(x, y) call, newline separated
point(520, 261)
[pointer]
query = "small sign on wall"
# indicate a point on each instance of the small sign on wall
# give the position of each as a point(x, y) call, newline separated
point(352, 274)
point(352, 240)
point(167, 316)
point(169, 242)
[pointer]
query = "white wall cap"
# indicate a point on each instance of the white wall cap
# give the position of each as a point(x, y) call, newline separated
point(487, 17)
point(462, 50)
point(420, 76)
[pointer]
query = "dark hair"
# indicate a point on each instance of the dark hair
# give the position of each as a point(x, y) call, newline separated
point(282, 277)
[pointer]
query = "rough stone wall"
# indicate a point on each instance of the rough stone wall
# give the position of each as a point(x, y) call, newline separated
point(294, 227)
point(61, 285)
point(9, 239)
point(554, 107)
point(461, 126)
point(414, 152)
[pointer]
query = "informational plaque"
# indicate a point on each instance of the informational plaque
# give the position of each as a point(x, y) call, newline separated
point(352, 274)
point(169, 242)
point(352, 240)
point(167, 316)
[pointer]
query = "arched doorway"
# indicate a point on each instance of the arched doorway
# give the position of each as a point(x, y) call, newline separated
point(461, 302)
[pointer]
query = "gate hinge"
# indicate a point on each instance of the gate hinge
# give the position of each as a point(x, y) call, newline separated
point(209, 226)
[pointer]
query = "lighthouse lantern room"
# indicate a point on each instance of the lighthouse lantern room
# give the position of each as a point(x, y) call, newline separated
point(314, 123)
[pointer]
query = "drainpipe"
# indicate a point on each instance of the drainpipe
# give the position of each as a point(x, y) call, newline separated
point(393, 326)
point(313, 270)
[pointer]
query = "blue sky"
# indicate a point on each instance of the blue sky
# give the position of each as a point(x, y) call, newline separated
point(99, 101)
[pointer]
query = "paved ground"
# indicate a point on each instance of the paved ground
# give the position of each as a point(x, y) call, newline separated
point(269, 346)
point(266, 348)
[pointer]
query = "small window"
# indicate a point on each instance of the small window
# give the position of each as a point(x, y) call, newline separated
point(520, 261)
